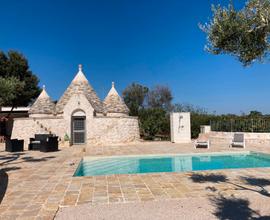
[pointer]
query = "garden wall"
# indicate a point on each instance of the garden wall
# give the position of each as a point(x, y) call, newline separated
point(25, 128)
point(251, 138)
point(114, 130)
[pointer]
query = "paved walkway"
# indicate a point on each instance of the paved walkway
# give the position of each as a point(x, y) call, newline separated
point(200, 208)
point(34, 185)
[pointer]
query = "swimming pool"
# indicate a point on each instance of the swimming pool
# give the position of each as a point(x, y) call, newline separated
point(170, 163)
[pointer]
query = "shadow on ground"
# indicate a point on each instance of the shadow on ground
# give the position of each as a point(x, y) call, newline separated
point(213, 178)
point(9, 163)
point(233, 208)
point(14, 157)
point(32, 159)
point(220, 178)
point(3, 184)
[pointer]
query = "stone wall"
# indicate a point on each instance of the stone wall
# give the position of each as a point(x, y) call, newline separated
point(251, 138)
point(114, 130)
point(100, 130)
point(25, 128)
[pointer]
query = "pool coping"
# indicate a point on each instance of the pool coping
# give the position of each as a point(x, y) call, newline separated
point(173, 155)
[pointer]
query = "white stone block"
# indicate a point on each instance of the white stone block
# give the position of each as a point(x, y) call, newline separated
point(204, 129)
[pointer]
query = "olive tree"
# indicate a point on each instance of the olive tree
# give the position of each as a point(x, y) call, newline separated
point(241, 33)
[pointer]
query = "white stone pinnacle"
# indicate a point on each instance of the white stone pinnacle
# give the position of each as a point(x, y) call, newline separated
point(80, 67)
point(113, 91)
point(80, 77)
point(43, 94)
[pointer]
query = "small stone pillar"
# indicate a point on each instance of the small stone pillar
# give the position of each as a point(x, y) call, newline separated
point(180, 127)
point(204, 129)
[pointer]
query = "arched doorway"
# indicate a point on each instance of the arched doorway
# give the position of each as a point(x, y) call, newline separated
point(78, 127)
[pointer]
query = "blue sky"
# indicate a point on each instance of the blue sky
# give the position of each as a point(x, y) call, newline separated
point(145, 41)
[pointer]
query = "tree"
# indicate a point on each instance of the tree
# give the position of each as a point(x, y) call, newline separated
point(185, 107)
point(243, 34)
point(255, 114)
point(9, 88)
point(154, 121)
point(134, 97)
point(18, 85)
point(160, 97)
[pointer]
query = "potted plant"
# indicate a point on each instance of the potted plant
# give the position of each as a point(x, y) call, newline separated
point(66, 140)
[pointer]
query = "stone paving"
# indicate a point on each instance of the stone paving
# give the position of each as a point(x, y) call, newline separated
point(34, 185)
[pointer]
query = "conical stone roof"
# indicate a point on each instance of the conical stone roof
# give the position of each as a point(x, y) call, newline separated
point(114, 103)
point(43, 104)
point(80, 85)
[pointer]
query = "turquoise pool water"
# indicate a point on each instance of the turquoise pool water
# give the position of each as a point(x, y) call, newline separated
point(171, 163)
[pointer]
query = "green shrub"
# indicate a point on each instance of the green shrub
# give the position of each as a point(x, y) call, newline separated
point(66, 137)
point(197, 120)
point(154, 122)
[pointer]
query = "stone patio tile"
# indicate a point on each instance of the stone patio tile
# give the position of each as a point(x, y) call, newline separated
point(146, 198)
point(114, 189)
point(71, 192)
point(30, 213)
point(69, 200)
point(115, 199)
point(51, 205)
point(131, 199)
point(157, 191)
point(46, 214)
point(26, 218)
point(49, 183)
point(83, 197)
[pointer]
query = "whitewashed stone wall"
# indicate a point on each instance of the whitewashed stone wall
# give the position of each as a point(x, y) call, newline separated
point(251, 138)
point(100, 130)
point(114, 130)
point(25, 128)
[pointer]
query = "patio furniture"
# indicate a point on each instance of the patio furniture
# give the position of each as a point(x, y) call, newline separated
point(14, 145)
point(238, 140)
point(202, 141)
point(39, 140)
point(44, 143)
point(50, 145)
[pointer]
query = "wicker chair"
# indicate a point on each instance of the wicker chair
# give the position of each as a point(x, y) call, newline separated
point(50, 145)
point(39, 140)
point(14, 145)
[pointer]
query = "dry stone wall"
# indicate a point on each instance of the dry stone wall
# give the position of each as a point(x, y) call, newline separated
point(100, 130)
point(25, 128)
point(114, 130)
point(251, 138)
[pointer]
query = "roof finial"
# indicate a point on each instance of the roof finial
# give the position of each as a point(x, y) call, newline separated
point(113, 84)
point(43, 87)
point(80, 67)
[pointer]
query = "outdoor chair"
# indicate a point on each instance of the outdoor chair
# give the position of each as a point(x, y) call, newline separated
point(39, 140)
point(238, 140)
point(14, 145)
point(50, 145)
point(202, 141)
